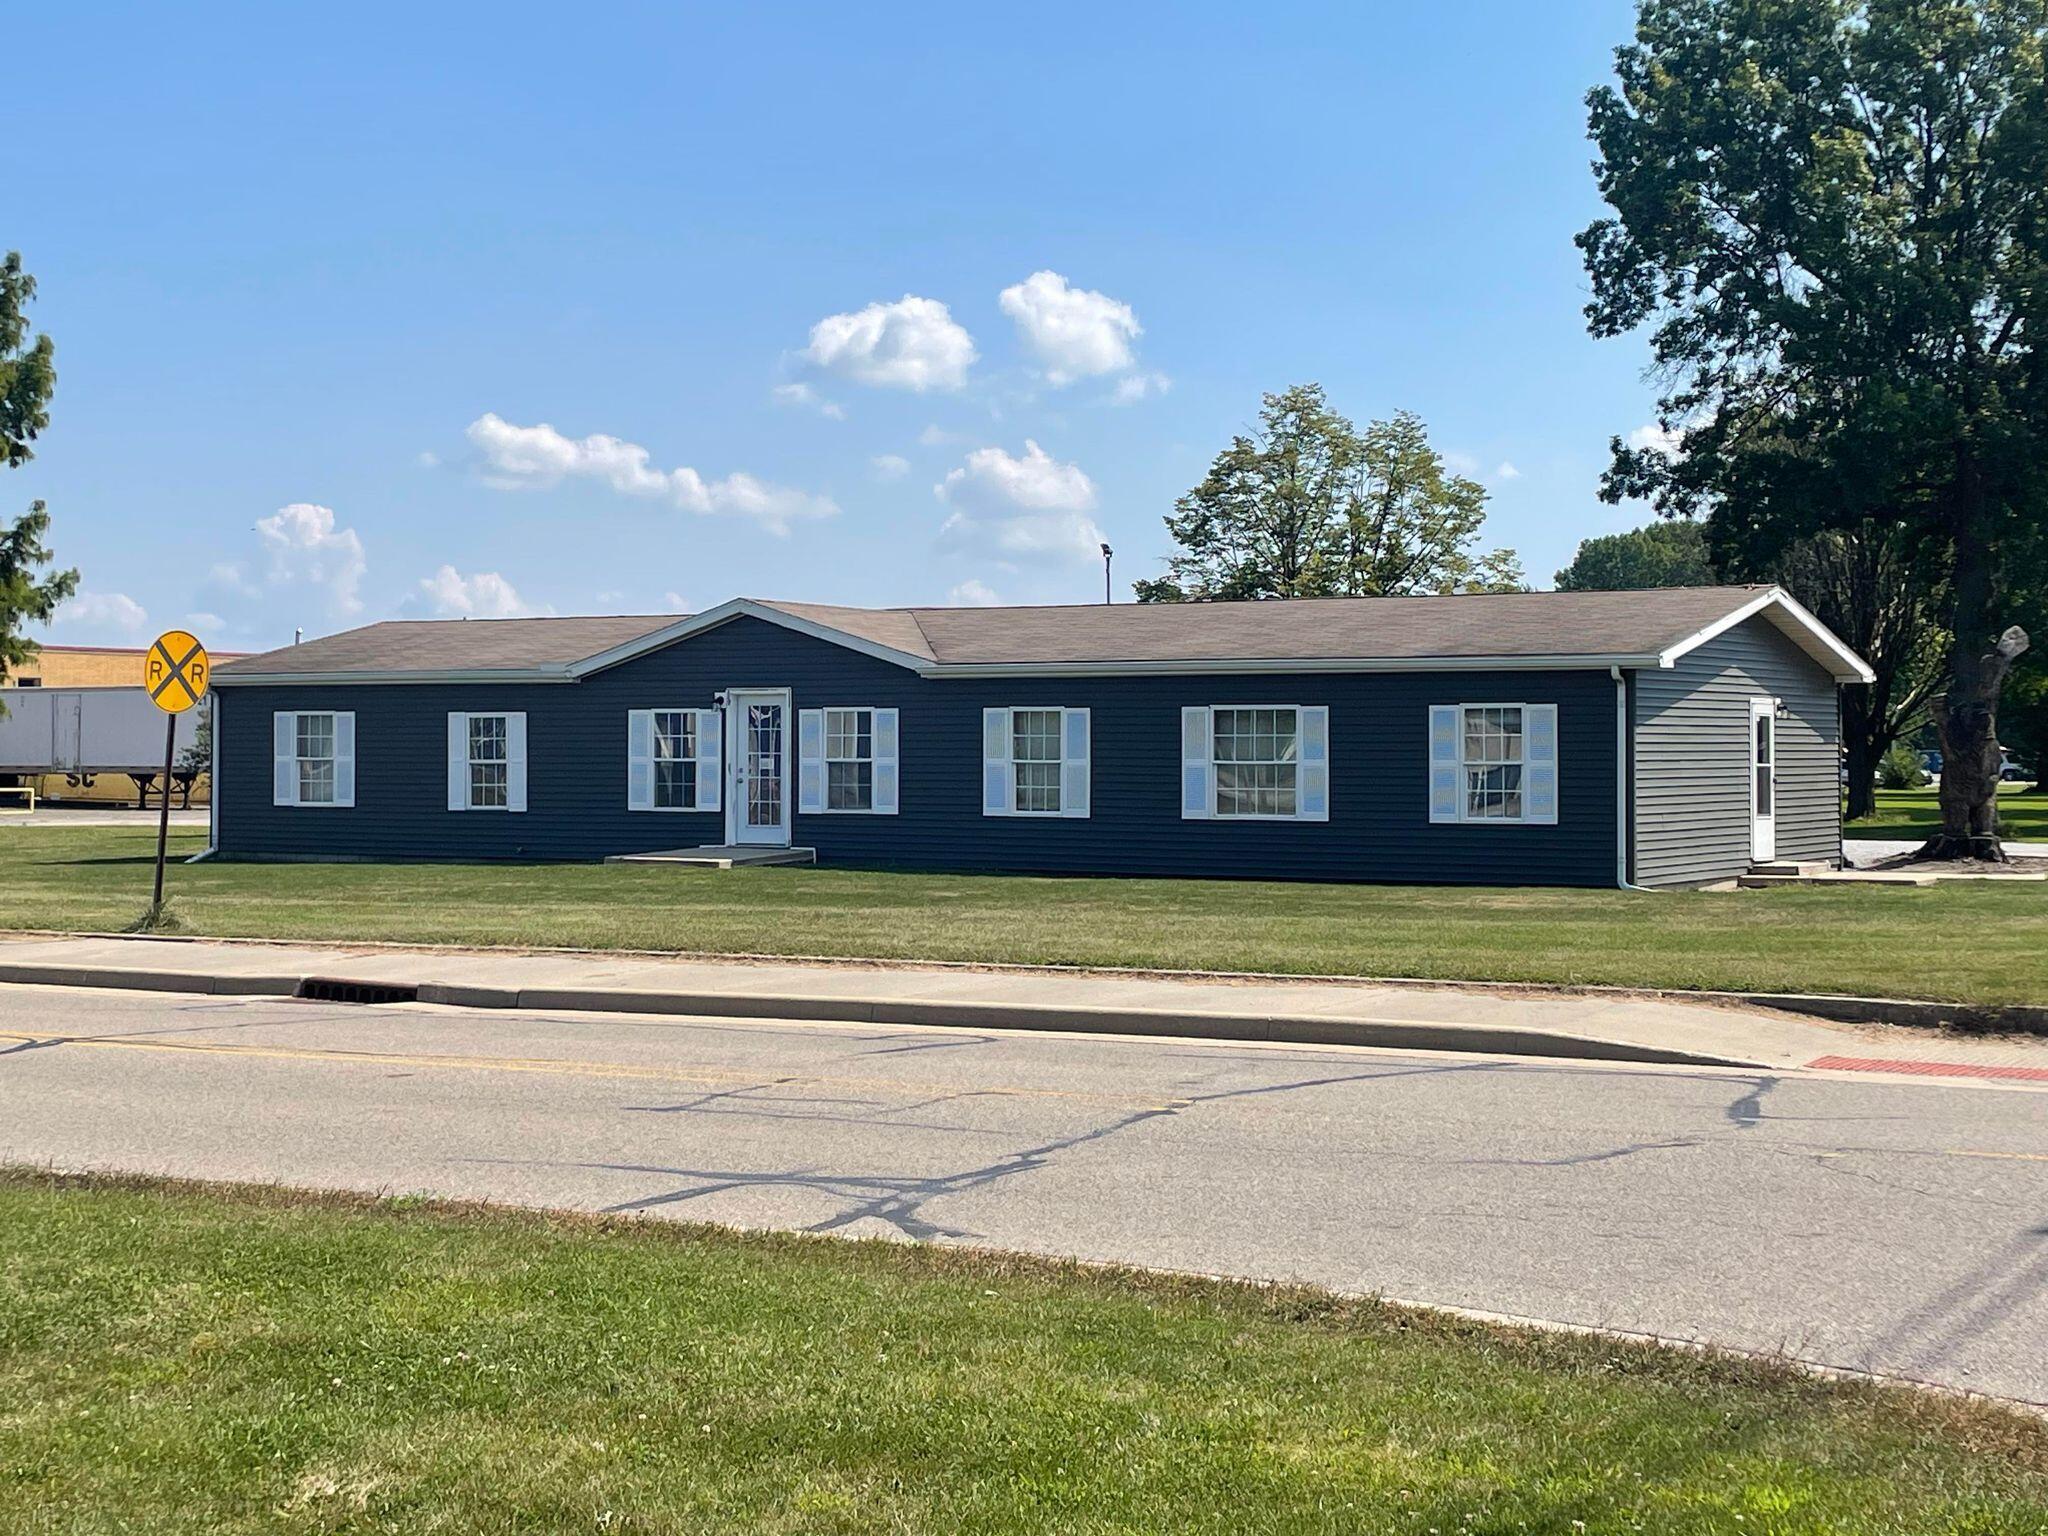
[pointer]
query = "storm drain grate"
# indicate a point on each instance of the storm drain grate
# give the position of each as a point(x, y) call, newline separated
point(334, 989)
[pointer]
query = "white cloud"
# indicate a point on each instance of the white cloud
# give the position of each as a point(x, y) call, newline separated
point(1075, 332)
point(427, 459)
point(229, 575)
point(1462, 464)
point(104, 611)
point(1506, 471)
point(807, 397)
point(1658, 439)
point(201, 623)
point(676, 601)
point(973, 594)
point(912, 344)
point(305, 547)
point(486, 595)
point(520, 458)
point(889, 466)
point(1140, 386)
point(936, 436)
point(1012, 509)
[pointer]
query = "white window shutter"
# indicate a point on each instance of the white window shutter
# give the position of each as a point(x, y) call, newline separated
point(1197, 763)
point(1313, 801)
point(344, 758)
point(458, 761)
point(639, 759)
point(1445, 759)
point(1074, 763)
point(1539, 764)
point(515, 762)
point(810, 757)
point(284, 749)
point(710, 758)
point(885, 748)
point(995, 763)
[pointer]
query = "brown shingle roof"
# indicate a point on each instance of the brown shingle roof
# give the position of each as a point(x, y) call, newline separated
point(1332, 628)
point(1582, 627)
point(399, 646)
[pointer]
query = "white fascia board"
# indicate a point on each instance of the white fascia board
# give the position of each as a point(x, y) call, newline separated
point(1812, 636)
point(359, 678)
point(738, 608)
point(1239, 666)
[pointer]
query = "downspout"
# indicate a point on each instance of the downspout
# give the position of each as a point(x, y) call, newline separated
point(1621, 879)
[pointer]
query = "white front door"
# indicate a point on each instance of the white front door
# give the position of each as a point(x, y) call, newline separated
point(1763, 780)
point(757, 747)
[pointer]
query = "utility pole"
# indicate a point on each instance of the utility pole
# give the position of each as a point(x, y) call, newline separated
point(1106, 553)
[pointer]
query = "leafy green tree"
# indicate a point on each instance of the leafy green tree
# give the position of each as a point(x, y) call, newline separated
point(28, 374)
point(2023, 723)
point(1868, 588)
point(1667, 554)
point(1833, 215)
point(1309, 506)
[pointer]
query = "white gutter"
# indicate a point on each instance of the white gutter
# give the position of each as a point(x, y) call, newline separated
point(1211, 667)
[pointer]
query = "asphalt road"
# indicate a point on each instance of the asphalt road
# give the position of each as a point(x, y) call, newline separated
point(1892, 1226)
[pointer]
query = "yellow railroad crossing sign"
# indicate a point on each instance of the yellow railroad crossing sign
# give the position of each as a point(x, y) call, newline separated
point(175, 672)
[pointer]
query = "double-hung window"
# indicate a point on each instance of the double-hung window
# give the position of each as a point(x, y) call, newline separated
point(1255, 762)
point(487, 762)
point(314, 757)
point(490, 762)
point(1493, 763)
point(847, 761)
point(673, 759)
point(1035, 761)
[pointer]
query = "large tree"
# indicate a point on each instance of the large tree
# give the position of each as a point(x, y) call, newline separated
point(1672, 554)
point(1309, 506)
point(1867, 587)
point(28, 375)
point(1834, 214)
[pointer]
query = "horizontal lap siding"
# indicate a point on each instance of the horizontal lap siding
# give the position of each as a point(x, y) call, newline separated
point(1379, 826)
point(1692, 758)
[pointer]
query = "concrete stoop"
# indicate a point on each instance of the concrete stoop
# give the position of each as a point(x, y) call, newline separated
point(719, 856)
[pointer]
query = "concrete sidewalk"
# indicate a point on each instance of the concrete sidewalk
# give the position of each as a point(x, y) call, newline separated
point(1614, 1027)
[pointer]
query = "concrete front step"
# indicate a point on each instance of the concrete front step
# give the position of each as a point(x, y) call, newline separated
point(1790, 867)
point(1764, 879)
point(720, 856)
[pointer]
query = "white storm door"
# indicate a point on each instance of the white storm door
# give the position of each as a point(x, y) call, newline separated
point(757, 747)
point(1763, 779)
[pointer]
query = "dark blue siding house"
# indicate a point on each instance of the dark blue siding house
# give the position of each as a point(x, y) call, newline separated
point(1538, 738)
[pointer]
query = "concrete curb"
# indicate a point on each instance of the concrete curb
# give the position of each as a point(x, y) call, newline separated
point(1294, 1029)
point(1840, 1008)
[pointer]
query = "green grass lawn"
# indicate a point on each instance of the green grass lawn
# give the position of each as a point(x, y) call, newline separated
point(178, 1359)
point(1903, 813)
point(1967, 942)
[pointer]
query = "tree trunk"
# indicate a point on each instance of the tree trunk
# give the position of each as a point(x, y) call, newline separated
point(1967, 715)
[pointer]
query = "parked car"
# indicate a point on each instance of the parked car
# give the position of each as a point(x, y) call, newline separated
point(1931, 761)
point(2013, 771)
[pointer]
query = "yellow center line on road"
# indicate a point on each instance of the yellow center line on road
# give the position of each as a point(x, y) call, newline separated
point(709, 1076)
point(2017, 1157)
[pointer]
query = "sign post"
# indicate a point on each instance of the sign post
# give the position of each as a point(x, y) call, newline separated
point(174, 672)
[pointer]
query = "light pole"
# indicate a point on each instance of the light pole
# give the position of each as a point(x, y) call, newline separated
point(1106, 553)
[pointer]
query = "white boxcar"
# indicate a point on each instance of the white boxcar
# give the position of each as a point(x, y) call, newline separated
point(86, 731)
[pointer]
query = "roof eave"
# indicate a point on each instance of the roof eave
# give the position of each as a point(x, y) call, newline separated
point(1795, 621)
point(1228, 665)
point(354, 677)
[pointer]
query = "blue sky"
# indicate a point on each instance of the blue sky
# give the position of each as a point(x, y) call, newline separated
point(834, 303)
